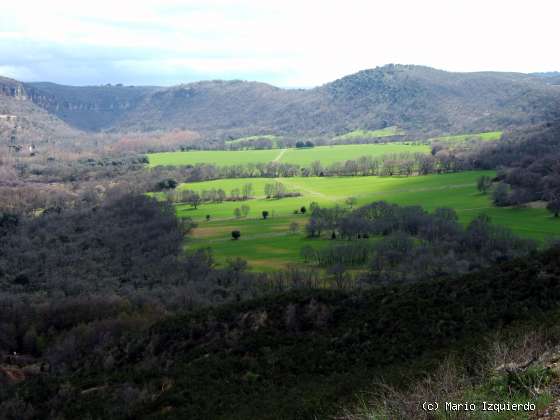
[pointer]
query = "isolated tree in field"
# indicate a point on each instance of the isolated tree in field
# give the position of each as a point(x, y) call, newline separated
point(265, 214)
point(483, 184)
point(294, 227)
point(194, 199)
point(247, 191)
point(207, 217)
point(351, 201)
point(235, 235)
point(303, 210)
point(237, 213)
point(554, 207)
point(245, 210)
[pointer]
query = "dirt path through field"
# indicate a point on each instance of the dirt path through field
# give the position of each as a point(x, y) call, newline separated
point(310, 191)
point(279, 156)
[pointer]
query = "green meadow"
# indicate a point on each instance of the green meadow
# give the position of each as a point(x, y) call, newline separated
point(303, 156)
point(487, 136)
point(270, 244)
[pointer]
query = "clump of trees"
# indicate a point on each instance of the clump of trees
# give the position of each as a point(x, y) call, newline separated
point(241, 212)
point(412, 244)
point(195, 198)
point(278, 190)
point(166, 184)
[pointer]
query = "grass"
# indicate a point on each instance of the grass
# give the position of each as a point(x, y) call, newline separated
point(486, 136)
point(450, 385)
point(303, 157)
point(370, 134)
point(219, 158)
point(268, 244)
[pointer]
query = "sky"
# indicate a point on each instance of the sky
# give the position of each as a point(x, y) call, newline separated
point(286, 43)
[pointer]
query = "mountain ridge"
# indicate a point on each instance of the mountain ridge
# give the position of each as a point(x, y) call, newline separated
point(409, 96)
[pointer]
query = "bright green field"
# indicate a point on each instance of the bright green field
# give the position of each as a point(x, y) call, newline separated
point(268, 244)
point(303, 157)
point(370, 134)
point(487, 136)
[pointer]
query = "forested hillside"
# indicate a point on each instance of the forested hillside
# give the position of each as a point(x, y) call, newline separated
point(413, 98)
point(291, 355)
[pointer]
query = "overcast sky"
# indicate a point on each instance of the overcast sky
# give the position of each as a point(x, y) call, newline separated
point(286, 43)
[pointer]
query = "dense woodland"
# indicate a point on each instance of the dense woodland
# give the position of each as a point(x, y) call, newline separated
point(414, 245)
point(529, 163)
point(290, 355)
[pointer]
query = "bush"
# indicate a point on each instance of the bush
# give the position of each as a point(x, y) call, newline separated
point(166, 184)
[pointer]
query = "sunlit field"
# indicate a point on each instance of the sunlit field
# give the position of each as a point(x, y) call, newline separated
point(269, 244)
point(303, 156)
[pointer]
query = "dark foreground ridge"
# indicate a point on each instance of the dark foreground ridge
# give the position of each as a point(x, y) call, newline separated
point(295, 355)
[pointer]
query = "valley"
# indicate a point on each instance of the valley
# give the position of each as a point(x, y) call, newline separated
point(270, 244)
point(232, 249)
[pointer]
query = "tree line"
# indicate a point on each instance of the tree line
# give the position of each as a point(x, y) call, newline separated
point(403, 244)
point(528, 166)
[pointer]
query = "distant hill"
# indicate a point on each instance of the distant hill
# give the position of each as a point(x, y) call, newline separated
point(30, 122)
point(409, 97)
point(89, 108)
point(551, 77)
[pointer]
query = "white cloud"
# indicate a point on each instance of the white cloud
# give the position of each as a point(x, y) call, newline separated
point(289, 42)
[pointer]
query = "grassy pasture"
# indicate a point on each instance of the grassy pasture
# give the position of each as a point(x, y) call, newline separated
point(219, 157)
point(268, 244)
point(303, 157)
point(487, 136)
